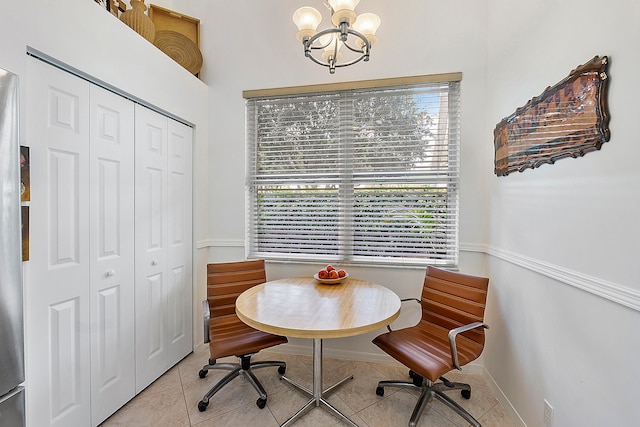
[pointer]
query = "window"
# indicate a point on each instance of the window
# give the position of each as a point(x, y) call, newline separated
point(362, 175)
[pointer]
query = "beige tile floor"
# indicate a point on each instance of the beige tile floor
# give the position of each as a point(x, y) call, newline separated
point(172, 400)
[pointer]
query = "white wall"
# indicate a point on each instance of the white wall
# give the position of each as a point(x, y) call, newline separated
point(80, 34)
point(252, 45)
point(549, 232)
point(564, 237)
point(260, 50)
point(557, 236)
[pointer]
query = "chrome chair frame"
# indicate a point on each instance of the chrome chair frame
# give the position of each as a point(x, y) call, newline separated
point(430, 389)
point(244, 368)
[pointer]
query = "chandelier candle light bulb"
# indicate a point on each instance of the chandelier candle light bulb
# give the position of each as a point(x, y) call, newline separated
point(344, 11)
point(367, 24)
point(356, 32)
point(307, 19)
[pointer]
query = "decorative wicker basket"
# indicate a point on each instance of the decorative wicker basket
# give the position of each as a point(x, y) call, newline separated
point(181, 49)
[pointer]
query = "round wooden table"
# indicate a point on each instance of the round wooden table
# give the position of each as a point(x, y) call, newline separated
point(300, 307)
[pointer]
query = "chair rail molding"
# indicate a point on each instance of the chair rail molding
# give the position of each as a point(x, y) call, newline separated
point(611, 291)
point(596, 286)
point(474, 247)
point(220, 243)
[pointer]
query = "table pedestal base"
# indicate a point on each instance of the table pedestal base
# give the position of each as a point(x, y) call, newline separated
point(317, 395)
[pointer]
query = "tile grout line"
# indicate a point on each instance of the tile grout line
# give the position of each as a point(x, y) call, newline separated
point(192, 361)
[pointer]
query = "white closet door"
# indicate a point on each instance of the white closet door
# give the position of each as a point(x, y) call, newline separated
point(151, 246)
point(112, 253)
point(163, 245)
point(57, 275)
point(180, 300)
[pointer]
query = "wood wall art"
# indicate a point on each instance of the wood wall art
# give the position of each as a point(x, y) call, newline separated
point(569, 119)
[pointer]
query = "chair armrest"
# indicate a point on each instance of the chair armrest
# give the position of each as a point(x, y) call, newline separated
point(453, 333)
point(206, 314)
point(404, 300)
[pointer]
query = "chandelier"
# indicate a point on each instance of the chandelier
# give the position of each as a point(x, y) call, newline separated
point(355, 32)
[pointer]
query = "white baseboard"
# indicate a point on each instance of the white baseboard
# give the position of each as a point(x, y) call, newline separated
point(502, 398)
point(359, 356)
point(303, 350)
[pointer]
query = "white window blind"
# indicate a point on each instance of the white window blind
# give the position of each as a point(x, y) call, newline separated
point(355, 176)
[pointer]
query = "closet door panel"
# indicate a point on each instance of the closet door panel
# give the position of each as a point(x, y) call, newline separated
point(180, 241)
point(108, 287)
point(151, 245)
point(56, 290)
point(63, 207)
point(112, 253)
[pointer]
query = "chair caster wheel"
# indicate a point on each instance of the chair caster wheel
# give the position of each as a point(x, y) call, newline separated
point(261, 403)
point(202, 406)
point(380, 391)
point(412, 374)
point(282, 369)
point(466, 394)
point(202, 373)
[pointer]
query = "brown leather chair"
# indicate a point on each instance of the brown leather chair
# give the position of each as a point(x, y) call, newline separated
point(226, 334)
point(449, 335)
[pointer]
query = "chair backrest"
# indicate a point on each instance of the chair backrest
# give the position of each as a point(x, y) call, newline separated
point(225, 281)
point(451, 299)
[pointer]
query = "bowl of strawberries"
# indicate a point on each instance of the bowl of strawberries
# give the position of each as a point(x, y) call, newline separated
point(330, 275)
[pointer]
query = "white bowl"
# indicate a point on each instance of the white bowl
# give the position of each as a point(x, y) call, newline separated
point(330, 281)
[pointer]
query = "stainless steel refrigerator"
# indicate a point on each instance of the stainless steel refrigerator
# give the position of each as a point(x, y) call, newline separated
point(12, 413)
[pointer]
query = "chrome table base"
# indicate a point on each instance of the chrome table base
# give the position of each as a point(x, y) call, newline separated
point(317, 395)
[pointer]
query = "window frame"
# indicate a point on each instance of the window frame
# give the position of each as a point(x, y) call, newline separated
point(452, 180)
